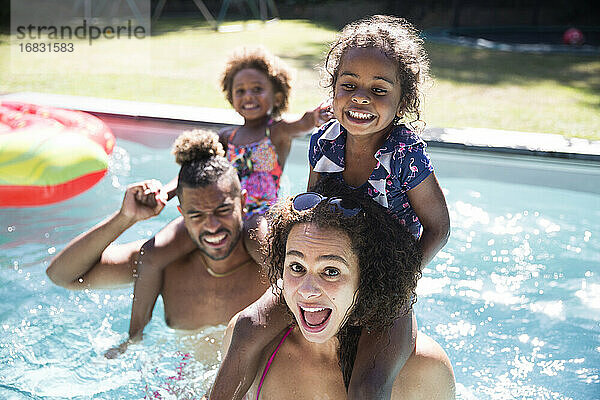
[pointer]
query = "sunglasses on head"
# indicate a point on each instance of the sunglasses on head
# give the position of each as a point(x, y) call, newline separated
point(309, 200)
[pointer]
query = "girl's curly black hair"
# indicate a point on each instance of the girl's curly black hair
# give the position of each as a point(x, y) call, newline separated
point(388, 256)
point(399, 41)
point(261, 60)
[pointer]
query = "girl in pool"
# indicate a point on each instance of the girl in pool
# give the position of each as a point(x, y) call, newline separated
point(323, 265)
point(376, 70)
point(257, 85)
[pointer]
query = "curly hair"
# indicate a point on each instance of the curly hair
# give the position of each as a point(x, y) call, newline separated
point(388, 256)
point(202, 159)
point(399, 41)
point(261, 60)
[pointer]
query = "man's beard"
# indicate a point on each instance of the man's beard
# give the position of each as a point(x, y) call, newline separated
point(234, 242)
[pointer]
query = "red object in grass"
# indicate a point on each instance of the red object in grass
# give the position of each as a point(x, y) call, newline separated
point(573, 37)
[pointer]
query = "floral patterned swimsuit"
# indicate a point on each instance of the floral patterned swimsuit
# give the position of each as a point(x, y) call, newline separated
point(259, 171)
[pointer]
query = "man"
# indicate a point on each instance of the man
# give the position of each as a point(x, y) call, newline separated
point(203, 286)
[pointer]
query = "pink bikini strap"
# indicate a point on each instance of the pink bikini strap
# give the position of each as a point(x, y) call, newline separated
point(262, 379)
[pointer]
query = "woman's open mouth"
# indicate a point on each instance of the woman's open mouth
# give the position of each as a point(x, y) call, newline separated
point(314, 319)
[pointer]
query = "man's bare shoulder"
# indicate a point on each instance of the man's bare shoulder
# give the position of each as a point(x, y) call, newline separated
point(187, 262)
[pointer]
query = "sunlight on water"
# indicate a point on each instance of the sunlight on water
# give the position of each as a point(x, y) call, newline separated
point(589, 294)
point(513, 298)
point(511, 295)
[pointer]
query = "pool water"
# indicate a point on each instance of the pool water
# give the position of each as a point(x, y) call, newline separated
point(513, 298)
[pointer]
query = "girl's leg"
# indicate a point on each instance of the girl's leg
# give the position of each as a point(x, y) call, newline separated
point(380, 357)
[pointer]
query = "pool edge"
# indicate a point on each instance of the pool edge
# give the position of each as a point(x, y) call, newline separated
point(186, 117)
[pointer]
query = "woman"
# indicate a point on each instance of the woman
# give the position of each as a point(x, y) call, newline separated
point(328, 258)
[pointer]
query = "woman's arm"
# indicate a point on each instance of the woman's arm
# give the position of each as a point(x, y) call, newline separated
point(254, 328)
point(225, 345)
point(90, 261)
point(427, 199)
point(228, 335)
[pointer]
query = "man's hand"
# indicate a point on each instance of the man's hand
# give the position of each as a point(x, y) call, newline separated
point(117, 351)
point(143, 200)
point(89, 260)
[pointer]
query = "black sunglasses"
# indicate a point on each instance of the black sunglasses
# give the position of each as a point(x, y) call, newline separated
point(308, 200)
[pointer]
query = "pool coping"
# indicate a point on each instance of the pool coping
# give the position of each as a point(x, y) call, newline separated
point(478, 139)
point(446, 36)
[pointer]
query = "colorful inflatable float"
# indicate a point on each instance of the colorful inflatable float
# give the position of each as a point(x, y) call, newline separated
point(48, 154)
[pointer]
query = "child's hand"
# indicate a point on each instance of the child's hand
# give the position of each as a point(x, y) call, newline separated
point(323, 113)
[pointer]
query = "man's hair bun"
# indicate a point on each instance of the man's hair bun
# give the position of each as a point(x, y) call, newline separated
point(196, 145)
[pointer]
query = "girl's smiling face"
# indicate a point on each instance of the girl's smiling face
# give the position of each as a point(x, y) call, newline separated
point(252, 94)
point(367, 91)
point(320, 279)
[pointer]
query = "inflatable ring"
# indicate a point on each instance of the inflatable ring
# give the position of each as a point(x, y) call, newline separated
point(48, 154)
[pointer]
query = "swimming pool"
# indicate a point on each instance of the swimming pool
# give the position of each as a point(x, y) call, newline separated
point(514, 297)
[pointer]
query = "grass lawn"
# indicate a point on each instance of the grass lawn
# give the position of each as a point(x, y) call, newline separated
point(182, 63)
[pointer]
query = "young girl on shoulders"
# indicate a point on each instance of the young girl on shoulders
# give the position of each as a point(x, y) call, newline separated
point(257, 85)
point(375, 70)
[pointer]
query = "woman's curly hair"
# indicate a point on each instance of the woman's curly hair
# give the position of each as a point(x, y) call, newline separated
point(388, 256)
point(399, 41)
point(201, 157)
point(261, 60)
